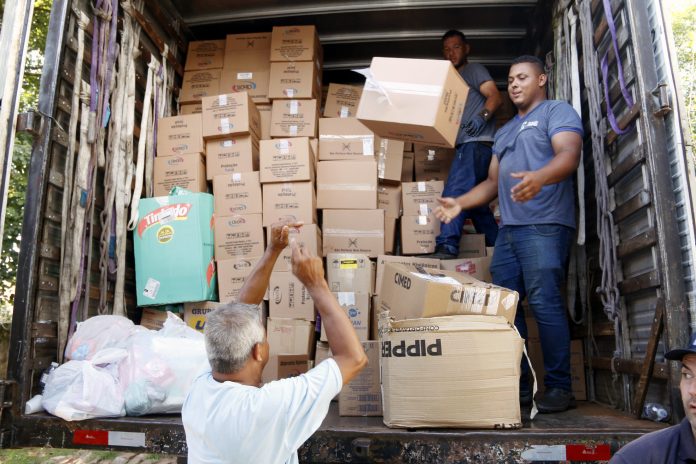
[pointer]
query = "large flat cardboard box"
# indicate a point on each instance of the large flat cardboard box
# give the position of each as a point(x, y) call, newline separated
point(363, 395)
point(347, 185)
point(354, 231)
point(289, 299)
point(472, 246)
point(185, 171)
point(418, 234)
point(410, 294)
point(232, 155)
point(294, 118)
point(407, 167)
point(357, 308)
point(389, 234)
point(413, 100)
point(238, 236)
point(456, 371)
point(247, 77)
point(389, 199)
point(413, 262)
point(180, 135)
point(345, 139)
point(294, 79)
point(308, 236)
point(350, 272)
point(420, 198)
point(432, 163)
point(191, 108)
point(237, 193)
point(265, 113)
point(195, 313)
point(342, 100)
point(295, 43)
point(230, 114)
point(289, 200)
point(199, 84)
point(286, 160)
point(153, 319)
point(478, 268)
point(390, 156)
point(232, 274)
point(285, 366)
point(205, 54)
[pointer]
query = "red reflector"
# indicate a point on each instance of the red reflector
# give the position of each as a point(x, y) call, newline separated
point(588, 452)
point(91, 437)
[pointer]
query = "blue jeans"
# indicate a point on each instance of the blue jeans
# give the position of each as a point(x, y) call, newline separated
point(533, 260)
point(469, 168)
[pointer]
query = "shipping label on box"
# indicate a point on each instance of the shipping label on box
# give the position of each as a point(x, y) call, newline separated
point(289, 298)
point(195, 313)
point(185, 171)
point(342, 101)
point(237, 193)
point(199, 84)
point(345, 139)
point(308, 236)
point(479, 355)
point(205, 54)
point(294, 79)
point(478, 268)
point(363, 395)
point(390, 156)
point(294, 43)
point(173, 244)
point(180, 135)
point(472, 246)
point(407, 167)
point(412, 262)
point(348, 272)
point(286, 160)
point(230, 114)
point(247, 77)
point(232, 155)
point(420, 198)
point(294, 118)
point(418, 234)
point(191, 108)
point(354, 231)
point(238, 236)
point(357, 307)
point(232, 273)
point(432, 163)
point(294, 201)
point(389, 199)
point(409, 294)
point(347, 185)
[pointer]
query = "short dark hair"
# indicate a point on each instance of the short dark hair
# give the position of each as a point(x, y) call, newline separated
point(454, 33)
point(533, 60)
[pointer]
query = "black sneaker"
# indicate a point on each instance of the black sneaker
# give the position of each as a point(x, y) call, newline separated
point(441, 253)
point(526, 398)
point(555, 400)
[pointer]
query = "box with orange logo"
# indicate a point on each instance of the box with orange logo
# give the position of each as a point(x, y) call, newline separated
point(174, 249)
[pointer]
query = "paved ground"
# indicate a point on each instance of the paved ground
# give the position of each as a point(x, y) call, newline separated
point(68, 456)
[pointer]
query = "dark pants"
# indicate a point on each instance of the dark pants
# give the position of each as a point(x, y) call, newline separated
point(469, 168)
point(533, 260)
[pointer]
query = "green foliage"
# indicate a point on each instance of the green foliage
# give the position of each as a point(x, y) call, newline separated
point(683, 25)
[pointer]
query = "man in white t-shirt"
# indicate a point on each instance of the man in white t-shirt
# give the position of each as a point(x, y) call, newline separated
point(229, 416)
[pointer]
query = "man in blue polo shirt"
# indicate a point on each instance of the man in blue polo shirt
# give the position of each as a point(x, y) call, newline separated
point(534, 157)
point(676, 444)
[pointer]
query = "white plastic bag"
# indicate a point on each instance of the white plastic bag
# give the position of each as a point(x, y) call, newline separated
point(99, 332)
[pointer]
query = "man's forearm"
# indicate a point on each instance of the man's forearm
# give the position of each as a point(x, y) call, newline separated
point(256, 283)
point(481, 195)
point(343, 340)
point(561, 166)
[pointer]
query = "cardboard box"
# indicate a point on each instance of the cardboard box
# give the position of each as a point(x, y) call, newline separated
point(237, 193)
point(289, 299)
point(289, 200)
point(180, 135)
point(232, 274)
point(295, 43)
point(173, 245)
point(286, 160)
point(153, 319)
point(294, 79)
point(294, 118)
point(254, 42)
point(420, 198)
point(230, 114)
point(409, 294)
point(408, 146)
point(390, 156)
point(348, 272)
point(363, 395)
point(185, 171)
point(232, 155)
point(389, 199)
point(347, 185)
point(389, 234)
point(478, 268)
point(199, 84)
point(265, 113)
point(342, 101)
point(418, 234)
point(205, 54)
point(191, 108)
point(322, 352)
point(309, 236)
point(345, 139)
point(285, 366)
point(357, 307)
point(472, 246)
point(248, 77)
point(195, 313)
point(354, 231)
point(238, 236)
point(457, 371)
point(424, 100)
point(432, 163)
point(407, 167)
point(412, 262)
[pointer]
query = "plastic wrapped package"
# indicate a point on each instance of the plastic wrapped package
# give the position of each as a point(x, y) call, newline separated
point(100, 332)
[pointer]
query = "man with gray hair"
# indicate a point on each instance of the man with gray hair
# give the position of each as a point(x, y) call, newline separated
point(229, 416)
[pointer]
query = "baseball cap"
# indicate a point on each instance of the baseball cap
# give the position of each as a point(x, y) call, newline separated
point(678, 354)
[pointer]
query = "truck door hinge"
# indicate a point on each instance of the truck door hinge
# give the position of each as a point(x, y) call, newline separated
point(662, 99)
point(30, 122)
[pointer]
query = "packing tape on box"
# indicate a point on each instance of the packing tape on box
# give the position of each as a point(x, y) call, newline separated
point(222, 100)
point(292, 130)
point(358, 233)
point(344, 112)
point(384, 88)
point(346, 298)
point(294, 107)
point(334, 186)
point(245, 75)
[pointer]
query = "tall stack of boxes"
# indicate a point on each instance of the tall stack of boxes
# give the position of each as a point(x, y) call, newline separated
point(202, 74)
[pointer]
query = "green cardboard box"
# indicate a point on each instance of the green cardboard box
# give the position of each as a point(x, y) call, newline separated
point(174, 249)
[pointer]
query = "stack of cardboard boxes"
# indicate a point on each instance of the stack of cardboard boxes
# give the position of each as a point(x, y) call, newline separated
point(202, 74)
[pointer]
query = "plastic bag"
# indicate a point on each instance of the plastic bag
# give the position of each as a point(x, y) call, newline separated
point(80, 390)
point(99, 332)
